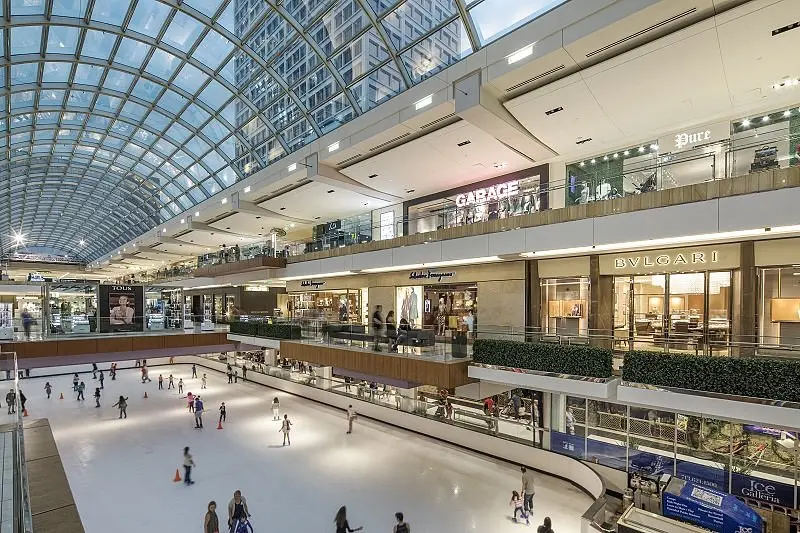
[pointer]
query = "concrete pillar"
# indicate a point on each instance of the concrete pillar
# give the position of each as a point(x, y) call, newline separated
point(744, 322)
point(533, 318)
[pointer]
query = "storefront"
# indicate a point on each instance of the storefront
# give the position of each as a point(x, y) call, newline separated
point(518, 193)
point(328, 304)
point(778, 264)
point(564, 286)
point(72, 306)
point(766, 141)
point(164, 307)
point(441, 307)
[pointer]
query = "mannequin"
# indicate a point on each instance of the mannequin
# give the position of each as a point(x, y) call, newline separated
point(441, 317)
point(413, 309)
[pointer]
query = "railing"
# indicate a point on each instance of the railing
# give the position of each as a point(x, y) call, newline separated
point(22, 518)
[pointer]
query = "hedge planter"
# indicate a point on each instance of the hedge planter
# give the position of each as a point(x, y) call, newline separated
point(774, 379)
point(263, 329)
point(589, 361)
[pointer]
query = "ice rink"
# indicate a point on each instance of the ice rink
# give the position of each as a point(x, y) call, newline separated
point(121, 471)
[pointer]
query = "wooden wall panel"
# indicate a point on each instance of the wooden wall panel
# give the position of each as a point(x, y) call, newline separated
point(147, 342)
point(114, 344)
point(76, 347)
point(178, 341)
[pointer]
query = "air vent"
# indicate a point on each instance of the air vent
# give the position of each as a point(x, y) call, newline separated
point(349, 159)
point(371, 176)
point(464, 143)
point(790, 27)
point(583, 141)
point(535, 78)
point(390, 141)
point(639, 33)
point(554, 111)
point(437, 121)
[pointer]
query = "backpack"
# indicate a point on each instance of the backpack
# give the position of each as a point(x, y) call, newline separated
point(401, 528)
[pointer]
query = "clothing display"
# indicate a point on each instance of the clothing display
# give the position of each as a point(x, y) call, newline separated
point(409, 304)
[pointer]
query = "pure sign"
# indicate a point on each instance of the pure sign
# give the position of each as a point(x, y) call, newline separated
point(488, 194)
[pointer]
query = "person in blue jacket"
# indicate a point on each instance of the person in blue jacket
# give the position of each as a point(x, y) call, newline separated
point(198, 413)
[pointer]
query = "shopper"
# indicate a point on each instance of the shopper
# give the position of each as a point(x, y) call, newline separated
point(519, 507)
point(102, 378)
point(223, 413)
point(122, 404)
point(402, 334)
point(211, 521)
point(237, 509)
point(48, 389)
point(81, 388)
point(194, 371)
point(171, 382)
point(188, 464)
point(401, 526)
point(198, 413)
point(160, 382)
point(546, 527)
point(342, 525)
point(276, 407)
point(203, 382)
point(180, 385)
point(516, 403)
point(528, 490)
point(377, 327)
point(286, 426)
point(97, 397)
point(351, 416)
point(11, 400)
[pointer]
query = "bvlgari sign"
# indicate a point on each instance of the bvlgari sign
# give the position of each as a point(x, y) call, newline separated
point(672, 260)
point(679, 259)
point(488, 194)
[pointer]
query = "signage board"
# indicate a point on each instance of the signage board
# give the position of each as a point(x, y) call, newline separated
point(689, 138)
point(669, 260)
point(312, 284)
point(121, 308)
point(566, 444)
point(763, 490)
point(430, 274)
point(708, 508)
point(492, 193)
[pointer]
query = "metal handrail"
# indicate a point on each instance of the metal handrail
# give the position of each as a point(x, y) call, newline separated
point(23, 518)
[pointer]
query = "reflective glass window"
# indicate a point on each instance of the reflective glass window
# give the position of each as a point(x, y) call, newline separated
point(183, 32)
point(69, 8)
point(27, 7)
point(98, 44)
point(190, 78)
point(437, 51)
point(147, 90)
point(207, 7)
point(162, 64)
point(88, 74)
point(212, 49)
point(118, 81)
point(26, 40)
point(131, 52)
point(495, 18)
point(172, 102)
point(413, 19)
point(377, 87)
point(24, 73)
point(109, 11)
point(148, 17)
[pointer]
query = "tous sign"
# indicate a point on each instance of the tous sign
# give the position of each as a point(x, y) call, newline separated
point(686, 139)
point(689, 258)
point(489, 194)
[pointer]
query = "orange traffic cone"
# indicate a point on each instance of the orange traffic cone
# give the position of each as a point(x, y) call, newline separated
point(177, 475)
point(219, 426)
point(24, 412)
point(145, 395)
point(61, 397)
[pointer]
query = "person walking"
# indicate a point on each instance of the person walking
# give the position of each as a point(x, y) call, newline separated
point(377, 327)
point(528, 489)
point(546, 527)
point(351, 416)
point(81, 388)
point(203, 382)
point(401, 526)
point(22, 400)
point(211, 521)
point(286, 427)
point(194, 371)
point(102, 378)
point(122, 404)
point(276, 408)
point(244, 372)
point(97, 397)
point(75, 382)
point(188, 464)
point(198, 413)
point(230, 373)
point(342, 525)
point(11, 398)
point(171, 384)
point(48, 389)
point(180, 385)
point(94, 370)
point(223, 417)
point(236, 375)
point(237, 509)
point(160, 382)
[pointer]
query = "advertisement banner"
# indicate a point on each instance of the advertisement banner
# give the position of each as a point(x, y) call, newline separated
point(650, 463)
point(763, 490)
point(703, 476)
point(710, 509)
point(121, 308)
point(572, 445)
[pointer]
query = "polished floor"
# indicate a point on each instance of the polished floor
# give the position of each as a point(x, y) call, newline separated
point(121, 471)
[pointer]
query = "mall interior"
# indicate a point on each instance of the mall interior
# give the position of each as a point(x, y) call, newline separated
point(559, 234)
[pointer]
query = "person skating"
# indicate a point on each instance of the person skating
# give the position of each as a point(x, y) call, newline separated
point(94, 370)
point(342, 525)
point(242, 526)
point(180, 385)
point(230, 373)
point(244, 372)
point(236, 375)
point(75, 381)
point(198, 413)
point(203, 382)
point(145, 375)
point(351, 416)
point(160, 382)
point(194, 371)
point(286, 427)
point(188, 464)
point(122, 404)
point(97, 397)
point(48, 389)
point(81, 388)
point(237, 509)
point(528, 489)
point(137, 364)
point(113, 371)
point(401, 526)
point(190, 402)
point(11, 398)
point(519, 507)
point(102, 378)
point(546, 527)
point(22, 400)
point(223, 416)
point(171, 384)
point(211, 521)
point(276, 407)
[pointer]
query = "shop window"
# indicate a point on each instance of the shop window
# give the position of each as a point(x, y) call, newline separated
point(765, 142)
point(630, 171)
point(779, 307)
point(565, 306)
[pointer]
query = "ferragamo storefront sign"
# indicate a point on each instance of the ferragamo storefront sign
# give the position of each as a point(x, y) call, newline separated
point(312, 283)
point(430, 274)
point(697, 258)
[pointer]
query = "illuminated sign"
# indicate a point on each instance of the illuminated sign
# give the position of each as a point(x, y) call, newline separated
point(687, 139)
point(311, 283)
point(430, 274)
point(685, 258)
point(488, 194)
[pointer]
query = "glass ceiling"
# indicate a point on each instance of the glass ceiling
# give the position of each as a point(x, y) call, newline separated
point(121, 114)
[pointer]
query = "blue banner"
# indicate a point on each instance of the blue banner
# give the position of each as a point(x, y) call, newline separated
point(607, 454)
point(650, 463)
point(703, 476)
point(710, 509)
point(572, 445)
point(762, 489)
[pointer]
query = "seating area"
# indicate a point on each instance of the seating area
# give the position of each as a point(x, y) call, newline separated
point(360, 333)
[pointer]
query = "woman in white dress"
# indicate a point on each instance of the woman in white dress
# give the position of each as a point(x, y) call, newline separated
point(286, 426)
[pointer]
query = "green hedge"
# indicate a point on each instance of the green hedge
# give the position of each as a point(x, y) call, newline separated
point(589, 361)
point(263, 329)
point(774, 379)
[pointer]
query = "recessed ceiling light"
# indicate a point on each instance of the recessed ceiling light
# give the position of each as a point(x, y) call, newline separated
point(583, 163)
point(765, 118)
point(247, 189)
point(291, 225)
point(626, 152)
point(745, 123)
point(292, 167)
point(616, 156)
point(654, 147)
point(258, 218)
point(82, 242)
point(787, 113)
point(409, 191)
point(593, 161)
point(316, 218)
point(366, 203)
point(641, 149)
point(163, 230)
point(333, 147)
point(183, 221)
point(605, 158)
point(224, 200)
point(500, 164)
point(425, 102)
point(520, 54)
point(464, 143)
point(197, 213)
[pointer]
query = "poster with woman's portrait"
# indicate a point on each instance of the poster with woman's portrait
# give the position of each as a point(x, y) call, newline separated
point(121, 308)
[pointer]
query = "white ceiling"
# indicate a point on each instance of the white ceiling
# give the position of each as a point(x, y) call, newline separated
point(250, 224)
point(312, 201)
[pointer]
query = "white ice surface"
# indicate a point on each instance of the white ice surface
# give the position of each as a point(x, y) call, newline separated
point(121, 471)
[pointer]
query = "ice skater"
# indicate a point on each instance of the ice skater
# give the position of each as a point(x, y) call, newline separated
point(286, 427)
point(188, 464)
point(236, 375)
point(81, 388)
point(113, 371)
point(137, 364)
point(145, 375)
point(546, 527)
point(351, 417)
point(48, 389)
point(94, 370)
point(97, 397)
point(190, 401)
point(194, 371)
point(244, 372)
point(160, 382)
point(22, 400)
point(401, 526)
point(528, 489)
point(237, 509)
point(223, 416)
point(519, 507)
point(230, 374)
point(242, 526)
point(171, 384)
point(11, 398)
point(198, 413)
point(102, 378)
point(75, 381)
point(211, 521)
point(276, 408)
point(180, 385)
point(342, 526)
point(203, 382)
point(122, 404)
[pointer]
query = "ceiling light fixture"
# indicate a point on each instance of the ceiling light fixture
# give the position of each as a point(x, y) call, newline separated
point(583, 163)
point(786, 83)
point(641, 149)
point(247, 189)
point(626, 152)
point(520, 54)
point(163, 230)
point(82, 242)
point(654, 147)
point(593, 161)
point(333, 147)
point(331, 191)
point(745, 123)
point(787, 113)
point(224, 201)
point(197, 213)
point(425, 102)
point(292, 167)
point(183, 221)
point(765, 118)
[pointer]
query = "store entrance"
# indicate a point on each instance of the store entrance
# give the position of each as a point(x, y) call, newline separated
point(685, 312)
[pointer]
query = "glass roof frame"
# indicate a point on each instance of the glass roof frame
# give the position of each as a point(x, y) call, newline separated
point(175, 100)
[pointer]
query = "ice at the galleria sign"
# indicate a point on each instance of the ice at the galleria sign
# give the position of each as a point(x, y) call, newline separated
point(488, 194)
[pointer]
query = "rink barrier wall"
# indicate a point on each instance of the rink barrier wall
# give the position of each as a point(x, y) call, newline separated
point(544, 461)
